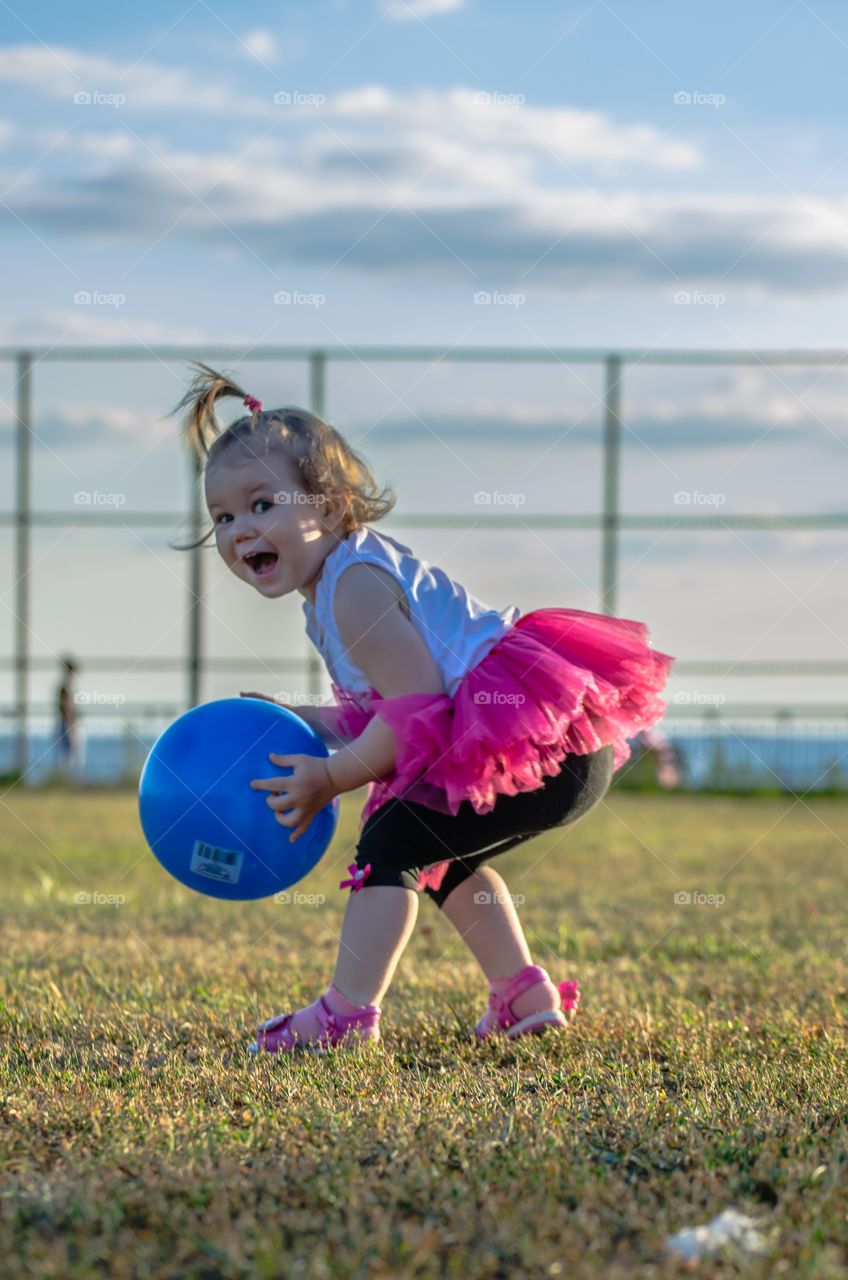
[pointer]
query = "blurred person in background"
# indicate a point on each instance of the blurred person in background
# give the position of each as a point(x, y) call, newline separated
point(70, 744)
point(664, 754)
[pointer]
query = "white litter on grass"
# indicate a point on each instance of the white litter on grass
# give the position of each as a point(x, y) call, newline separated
point(729, 1227)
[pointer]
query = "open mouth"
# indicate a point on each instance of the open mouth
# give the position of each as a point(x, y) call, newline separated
point(262, 562)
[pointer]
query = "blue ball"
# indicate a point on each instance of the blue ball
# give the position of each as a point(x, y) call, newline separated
point(205, 823)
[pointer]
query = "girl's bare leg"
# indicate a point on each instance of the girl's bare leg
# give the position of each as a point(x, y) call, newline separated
point(378, 924)
point(482, 911)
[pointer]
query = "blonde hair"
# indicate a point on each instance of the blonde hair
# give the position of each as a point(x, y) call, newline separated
point(325, 463)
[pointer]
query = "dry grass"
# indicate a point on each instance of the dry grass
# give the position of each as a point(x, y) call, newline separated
point(706, 1067)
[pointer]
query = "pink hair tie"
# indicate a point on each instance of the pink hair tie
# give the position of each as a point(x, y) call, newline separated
point(254, 405)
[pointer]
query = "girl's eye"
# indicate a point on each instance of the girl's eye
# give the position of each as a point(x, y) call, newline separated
point(225, 514)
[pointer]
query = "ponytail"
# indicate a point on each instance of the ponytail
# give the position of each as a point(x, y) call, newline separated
point(200, 426)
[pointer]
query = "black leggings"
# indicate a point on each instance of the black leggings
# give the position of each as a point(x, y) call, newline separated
point(400, 838)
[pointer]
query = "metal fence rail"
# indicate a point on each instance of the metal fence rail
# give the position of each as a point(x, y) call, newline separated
point(737, 747)
point(609, 521)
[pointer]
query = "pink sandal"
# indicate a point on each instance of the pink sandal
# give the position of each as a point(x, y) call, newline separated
point(275, 1035)
point(500, 1017)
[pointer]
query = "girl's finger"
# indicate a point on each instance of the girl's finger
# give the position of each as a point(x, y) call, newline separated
point(269, 784)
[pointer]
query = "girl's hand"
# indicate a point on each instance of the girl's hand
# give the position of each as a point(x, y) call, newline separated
point(308, 789)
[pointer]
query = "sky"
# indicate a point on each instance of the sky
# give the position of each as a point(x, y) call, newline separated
point(446, 174)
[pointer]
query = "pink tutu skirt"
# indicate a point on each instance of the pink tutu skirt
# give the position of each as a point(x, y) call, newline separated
point(559, 682)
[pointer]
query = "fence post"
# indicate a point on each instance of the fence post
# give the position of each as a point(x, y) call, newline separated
point(195, 590)
point(612, 449)
point(22, 556)
point(317, 397)
point(784, 736)
point(317, 382)
point(717, 771)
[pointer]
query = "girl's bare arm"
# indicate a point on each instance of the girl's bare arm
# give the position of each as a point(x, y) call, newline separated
point(390, 652)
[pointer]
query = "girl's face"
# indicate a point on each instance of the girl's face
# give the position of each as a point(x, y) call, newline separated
point(268, 529)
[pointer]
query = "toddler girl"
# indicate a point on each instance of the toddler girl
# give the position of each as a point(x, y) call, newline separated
point(475, 729)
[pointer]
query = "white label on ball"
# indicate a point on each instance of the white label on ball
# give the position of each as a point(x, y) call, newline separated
point(218, 864)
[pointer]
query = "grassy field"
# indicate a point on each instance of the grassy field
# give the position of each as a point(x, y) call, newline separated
point(706, 1068)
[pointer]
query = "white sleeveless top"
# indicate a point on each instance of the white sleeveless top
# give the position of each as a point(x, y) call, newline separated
point(457, 628)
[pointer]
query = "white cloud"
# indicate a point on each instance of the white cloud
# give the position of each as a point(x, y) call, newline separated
point(88, 425)
point(559, 134)
point(505, 128)
point(408, 10)
point(261, 44)
point(483, 219)
point(84, 326)
point(458, 185)
point(115, 144)
point(736, 409)
point(61, 72)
